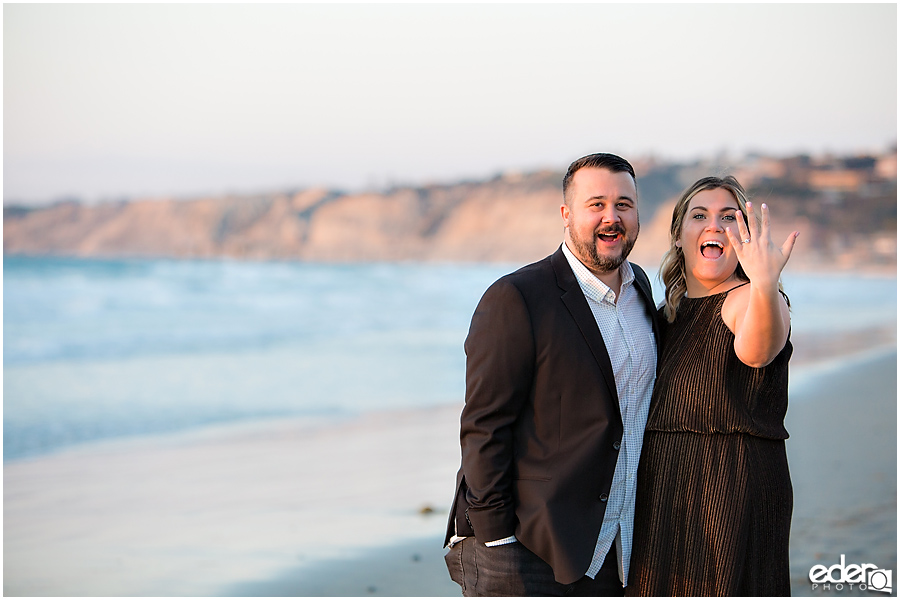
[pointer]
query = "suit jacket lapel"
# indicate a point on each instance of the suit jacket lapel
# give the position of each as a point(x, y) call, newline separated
point(575, 301)
point(642, 283)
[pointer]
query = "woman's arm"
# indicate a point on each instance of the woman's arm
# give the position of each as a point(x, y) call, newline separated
point(758, 314)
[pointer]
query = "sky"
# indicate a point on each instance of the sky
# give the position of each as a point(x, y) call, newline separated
point(107, 101)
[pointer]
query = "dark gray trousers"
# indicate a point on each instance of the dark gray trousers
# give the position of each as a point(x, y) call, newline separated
point(513, 570)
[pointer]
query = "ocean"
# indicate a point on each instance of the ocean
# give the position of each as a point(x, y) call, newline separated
point(104, 349)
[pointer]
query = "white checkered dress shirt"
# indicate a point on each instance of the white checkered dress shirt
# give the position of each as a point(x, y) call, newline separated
point(628, 335)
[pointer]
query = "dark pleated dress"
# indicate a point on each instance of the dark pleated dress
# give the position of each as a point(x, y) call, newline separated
point(714, 497)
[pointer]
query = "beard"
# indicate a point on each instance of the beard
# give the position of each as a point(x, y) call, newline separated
point(587, 248)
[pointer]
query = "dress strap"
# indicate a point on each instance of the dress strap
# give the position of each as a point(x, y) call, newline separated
point(737, 286)
point(780, 291)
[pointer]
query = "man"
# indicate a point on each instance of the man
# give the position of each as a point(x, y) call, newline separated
point(561, 360)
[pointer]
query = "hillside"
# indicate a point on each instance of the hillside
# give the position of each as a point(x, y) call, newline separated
point(510, 218)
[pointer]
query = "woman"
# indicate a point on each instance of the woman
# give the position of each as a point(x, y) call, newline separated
point(714, 495)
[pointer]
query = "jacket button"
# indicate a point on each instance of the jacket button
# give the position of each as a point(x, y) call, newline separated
point(604, 497)
point(616, 445)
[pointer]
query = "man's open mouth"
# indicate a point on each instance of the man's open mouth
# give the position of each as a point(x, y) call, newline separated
point(609, 236)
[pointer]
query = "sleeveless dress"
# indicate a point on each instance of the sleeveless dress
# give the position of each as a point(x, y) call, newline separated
point(714, 498)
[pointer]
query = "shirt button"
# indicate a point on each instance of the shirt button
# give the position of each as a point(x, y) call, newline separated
point(616, 445)
point(604, 497)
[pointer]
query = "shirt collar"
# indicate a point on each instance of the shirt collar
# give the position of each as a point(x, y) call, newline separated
point(591, 285)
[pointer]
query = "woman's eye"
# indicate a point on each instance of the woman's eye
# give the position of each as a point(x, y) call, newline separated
point(728, 218)
point(698, 216)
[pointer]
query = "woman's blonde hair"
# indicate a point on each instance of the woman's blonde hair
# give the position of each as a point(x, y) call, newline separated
point(671, 268)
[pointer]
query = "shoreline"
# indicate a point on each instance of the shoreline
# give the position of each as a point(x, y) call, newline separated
point(192, 515)
point(845, 492)
point(408, 568)
point(822, 525)
point(796, 266)
point(812, 351)
point(828, 348)
point(359, 507)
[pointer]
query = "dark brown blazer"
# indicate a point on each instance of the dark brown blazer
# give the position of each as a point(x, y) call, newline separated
point(541, 427)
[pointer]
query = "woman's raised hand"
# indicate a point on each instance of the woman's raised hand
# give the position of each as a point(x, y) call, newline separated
point(760, 258)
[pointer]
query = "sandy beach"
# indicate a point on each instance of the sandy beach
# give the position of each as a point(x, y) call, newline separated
point(199, 514)
point(357, 507)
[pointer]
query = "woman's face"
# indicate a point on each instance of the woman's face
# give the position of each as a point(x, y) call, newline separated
point(709, 259)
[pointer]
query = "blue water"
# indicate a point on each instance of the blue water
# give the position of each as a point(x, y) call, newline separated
point(101, 349)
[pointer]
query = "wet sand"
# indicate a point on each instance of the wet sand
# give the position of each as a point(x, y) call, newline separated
point(842, 455)
point(200, 513)
point(357, 508)
point(413, 568)
point(843, 459)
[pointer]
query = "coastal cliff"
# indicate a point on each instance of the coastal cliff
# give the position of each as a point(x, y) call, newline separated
point(847, 219)
point(512, 218)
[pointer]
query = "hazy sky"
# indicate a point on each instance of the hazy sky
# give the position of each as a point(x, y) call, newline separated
point(110, 100)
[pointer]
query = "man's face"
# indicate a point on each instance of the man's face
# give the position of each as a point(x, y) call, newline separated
point(601, 218)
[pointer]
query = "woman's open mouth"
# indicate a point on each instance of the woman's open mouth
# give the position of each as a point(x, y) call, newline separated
point(712, 249)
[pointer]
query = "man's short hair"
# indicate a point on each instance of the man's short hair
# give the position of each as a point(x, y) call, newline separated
point(611, 162)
